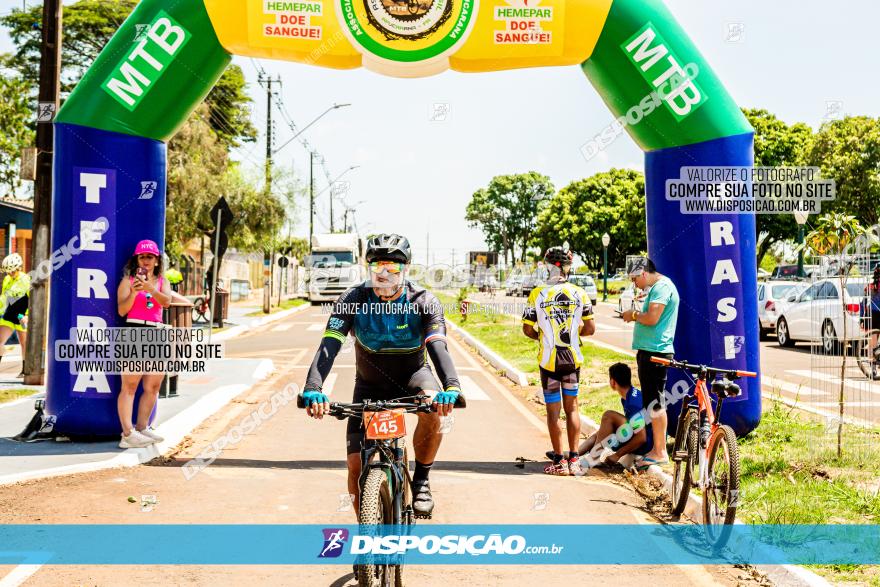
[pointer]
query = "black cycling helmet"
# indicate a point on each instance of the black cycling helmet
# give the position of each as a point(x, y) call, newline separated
point(558, 257)
point(388, 247)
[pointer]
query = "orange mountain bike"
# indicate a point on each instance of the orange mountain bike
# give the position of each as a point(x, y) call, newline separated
point(705, 454)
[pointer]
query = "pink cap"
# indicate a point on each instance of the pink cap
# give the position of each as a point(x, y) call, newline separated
point(147, 247)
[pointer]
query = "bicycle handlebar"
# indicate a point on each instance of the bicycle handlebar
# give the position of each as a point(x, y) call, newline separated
point(423, 404)
point(691, 367)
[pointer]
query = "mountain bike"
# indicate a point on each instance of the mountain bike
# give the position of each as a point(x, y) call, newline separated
point(385, 482)
point(705, 454)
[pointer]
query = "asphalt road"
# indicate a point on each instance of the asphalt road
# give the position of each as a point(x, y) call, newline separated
point(290, 470)
point(802, 374)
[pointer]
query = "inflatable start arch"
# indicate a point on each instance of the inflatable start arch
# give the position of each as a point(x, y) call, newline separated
point(110, 141)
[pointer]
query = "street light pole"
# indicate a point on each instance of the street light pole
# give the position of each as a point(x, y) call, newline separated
point(801, 219)
point(606, 240)
point(320, 116)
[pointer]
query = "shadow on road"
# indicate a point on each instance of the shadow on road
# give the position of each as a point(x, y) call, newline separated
point(489, 468)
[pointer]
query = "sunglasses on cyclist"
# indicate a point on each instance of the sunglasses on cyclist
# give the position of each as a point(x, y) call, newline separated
point(389, 266)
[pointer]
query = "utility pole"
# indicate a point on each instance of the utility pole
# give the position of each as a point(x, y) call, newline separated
point(331, 208)
point(50, 75)
point(311, 195)
point(268, 266)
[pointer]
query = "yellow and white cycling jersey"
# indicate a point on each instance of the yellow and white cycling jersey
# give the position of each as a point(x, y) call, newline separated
point(557, 310)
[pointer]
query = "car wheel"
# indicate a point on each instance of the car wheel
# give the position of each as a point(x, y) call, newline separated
point(782, 334)
point(830, 345)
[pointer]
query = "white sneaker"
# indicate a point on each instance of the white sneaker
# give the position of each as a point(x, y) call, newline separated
point(135, 440)
point(149, 433)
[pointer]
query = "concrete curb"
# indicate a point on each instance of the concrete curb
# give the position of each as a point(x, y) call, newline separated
point(174, 430)
point(494, 358)
point(781, 575)
point(242, 328)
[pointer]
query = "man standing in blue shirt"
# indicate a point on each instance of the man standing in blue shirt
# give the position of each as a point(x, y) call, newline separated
point(653, 335)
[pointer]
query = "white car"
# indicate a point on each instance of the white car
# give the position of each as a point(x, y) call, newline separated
point(817, 314)
point(772, 296)
point(586, 283)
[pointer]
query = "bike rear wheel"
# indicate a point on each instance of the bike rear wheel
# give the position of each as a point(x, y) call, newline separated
point(684, 458)
point(376, 509)
point(201, 311)
point(721, 496)
point(868, 362)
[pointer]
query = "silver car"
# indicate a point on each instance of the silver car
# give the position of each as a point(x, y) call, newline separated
point(772, 301)
point(586, 283)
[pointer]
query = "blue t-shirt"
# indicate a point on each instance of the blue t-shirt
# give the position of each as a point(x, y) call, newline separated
point(658, 338)
point(632, 409)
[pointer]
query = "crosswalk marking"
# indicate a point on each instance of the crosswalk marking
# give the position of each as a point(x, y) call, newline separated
point(860, 385)
point(282, 327)
point(315, 327)
point(472, 391)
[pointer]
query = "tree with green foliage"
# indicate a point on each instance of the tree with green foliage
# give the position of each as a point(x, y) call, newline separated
point(777, 144)
point(833, 235)
point(848, 151)
point(15, 130)
point(88, 25)
point(506, 211)
point(613, 202)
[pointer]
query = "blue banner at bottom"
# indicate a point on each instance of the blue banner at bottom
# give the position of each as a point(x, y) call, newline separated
point(439, 544)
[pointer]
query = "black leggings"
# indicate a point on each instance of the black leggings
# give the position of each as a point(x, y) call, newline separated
point(652, 377)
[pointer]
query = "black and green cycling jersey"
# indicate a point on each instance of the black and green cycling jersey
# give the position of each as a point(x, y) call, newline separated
point(393, 339)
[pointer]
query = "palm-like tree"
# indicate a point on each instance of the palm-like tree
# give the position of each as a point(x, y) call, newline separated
point(834, 235)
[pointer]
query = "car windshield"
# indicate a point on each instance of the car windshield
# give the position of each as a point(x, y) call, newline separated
point(856, 290)
point(330, 259)
point(782, 291)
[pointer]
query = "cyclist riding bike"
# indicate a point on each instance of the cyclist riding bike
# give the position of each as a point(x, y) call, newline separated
point(394, 322)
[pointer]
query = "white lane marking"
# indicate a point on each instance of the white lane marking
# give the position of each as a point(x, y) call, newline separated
point(19, 575)
point(327, 388)
point(863, 385)
point(315, 327)
point(282, 327)
point(600, 327)
point(471, 390)
point(532, 418)
point(298, 356)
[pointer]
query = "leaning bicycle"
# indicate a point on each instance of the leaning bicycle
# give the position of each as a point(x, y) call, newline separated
point(705, 454)
point(385, 482)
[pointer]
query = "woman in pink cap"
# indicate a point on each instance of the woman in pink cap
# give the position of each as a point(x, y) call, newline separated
point(141, 295)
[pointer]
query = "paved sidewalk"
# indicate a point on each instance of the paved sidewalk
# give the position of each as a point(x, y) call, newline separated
point(199, 396)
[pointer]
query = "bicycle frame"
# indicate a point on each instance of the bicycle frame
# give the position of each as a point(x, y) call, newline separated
point(704, 411)
point(390, 454)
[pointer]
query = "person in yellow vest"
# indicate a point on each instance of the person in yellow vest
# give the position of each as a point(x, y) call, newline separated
point(14, 297)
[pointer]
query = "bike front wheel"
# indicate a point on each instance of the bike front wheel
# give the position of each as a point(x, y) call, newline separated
point(684, 458)
point(721, 496)
point(376, 509)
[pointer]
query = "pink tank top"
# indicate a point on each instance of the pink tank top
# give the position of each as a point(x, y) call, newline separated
point(140, 311)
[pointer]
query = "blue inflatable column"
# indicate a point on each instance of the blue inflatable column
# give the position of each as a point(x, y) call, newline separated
point(711, 259)
point(109, 194)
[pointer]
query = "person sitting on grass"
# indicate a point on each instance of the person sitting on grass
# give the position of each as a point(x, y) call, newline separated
point(624, 433)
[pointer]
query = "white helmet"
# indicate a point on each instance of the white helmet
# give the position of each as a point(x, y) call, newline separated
point(12, 263)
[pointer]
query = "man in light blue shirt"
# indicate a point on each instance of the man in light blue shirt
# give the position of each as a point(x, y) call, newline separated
point(653, 336)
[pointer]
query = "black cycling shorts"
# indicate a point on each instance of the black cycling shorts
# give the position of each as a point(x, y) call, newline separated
point(652, 377)
point(421, 380)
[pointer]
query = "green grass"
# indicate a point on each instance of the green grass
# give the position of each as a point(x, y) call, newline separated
point(8, 395)
point(790, 472)
point(285, 305)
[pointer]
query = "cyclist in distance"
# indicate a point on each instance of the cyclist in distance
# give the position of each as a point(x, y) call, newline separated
point(394, 322)
point(557, 314)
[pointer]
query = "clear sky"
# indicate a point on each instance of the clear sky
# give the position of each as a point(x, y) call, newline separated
point(417, 175)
